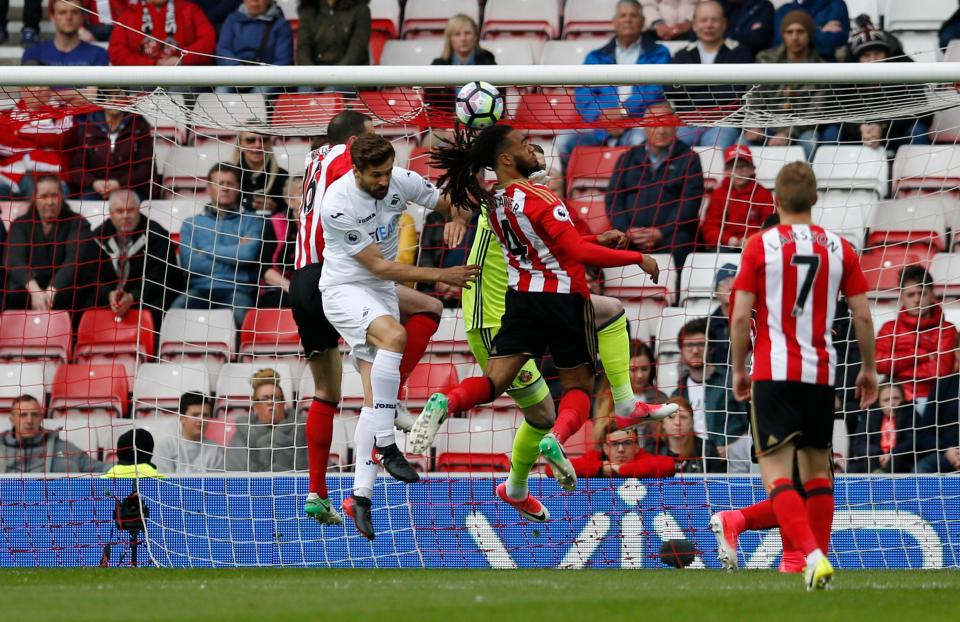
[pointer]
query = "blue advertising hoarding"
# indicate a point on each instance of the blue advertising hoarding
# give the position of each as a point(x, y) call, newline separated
point(909, 522)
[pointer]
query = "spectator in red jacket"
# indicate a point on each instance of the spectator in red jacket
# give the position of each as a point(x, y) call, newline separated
point(115, 151)
point(739, 205)
point(622, 456)
point(918, 347)
point(33, 135)
point(163, 32)
point(100, 17)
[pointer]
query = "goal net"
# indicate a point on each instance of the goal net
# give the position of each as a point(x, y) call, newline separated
point(659, 162)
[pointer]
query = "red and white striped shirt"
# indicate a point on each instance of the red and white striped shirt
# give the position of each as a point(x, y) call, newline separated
point(323, 167)
point(527, 219)
point(796, 273)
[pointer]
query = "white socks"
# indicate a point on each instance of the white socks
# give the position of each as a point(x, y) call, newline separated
point(385, 382)
point(365, 470)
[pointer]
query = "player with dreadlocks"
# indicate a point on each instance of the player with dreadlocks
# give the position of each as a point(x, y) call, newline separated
point(547, 304)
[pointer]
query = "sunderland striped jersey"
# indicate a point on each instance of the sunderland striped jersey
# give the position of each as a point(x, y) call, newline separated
point(526, 219)
point(796, 273)
point(323, 167)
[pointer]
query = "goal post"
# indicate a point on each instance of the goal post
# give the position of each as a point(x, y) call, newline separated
point(893, 190)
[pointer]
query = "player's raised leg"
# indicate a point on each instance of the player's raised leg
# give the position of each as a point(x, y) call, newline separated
point(420, 315)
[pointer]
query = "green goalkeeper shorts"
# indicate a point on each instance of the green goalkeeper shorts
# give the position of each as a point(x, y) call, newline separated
point(528, 388)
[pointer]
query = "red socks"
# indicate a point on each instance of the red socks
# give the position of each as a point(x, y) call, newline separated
point(420, 328)
point(759, 516)
point(573, 412)
point(319, 438)
point(792, 516)
point(820, 510)
point(469, 393)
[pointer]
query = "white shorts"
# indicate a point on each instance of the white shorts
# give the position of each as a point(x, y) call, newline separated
point(352, 308)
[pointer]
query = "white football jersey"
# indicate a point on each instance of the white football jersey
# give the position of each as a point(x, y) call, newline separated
point(353, 220)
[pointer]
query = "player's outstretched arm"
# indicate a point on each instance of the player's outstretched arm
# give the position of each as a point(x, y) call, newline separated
point(863, 328)
point(588, 253)
point(458, 276)
point(740, 342)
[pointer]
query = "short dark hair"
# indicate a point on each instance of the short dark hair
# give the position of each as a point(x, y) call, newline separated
point(25, 397)
point(915, 274)
point(223, 167)
point(693, 327)
point(345, 126)
point(371, 150)
point(194, 398)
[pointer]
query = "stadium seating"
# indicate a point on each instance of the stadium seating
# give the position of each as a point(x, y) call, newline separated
point(711, 163)
point(289, 8)
point(511, 51)
point(926, 168)
point(846, 213)
point(427, 379)
point(882, 268)
point(158, 386)
point(545, 113)
point(291, 110)
point(870, 8)
point(234, 391)
point(451, 336)
point(671, 321)
point(413, 52)
point(572, 52)
point(226, 114)
point(170, 214)
point(631, 283)
point(166, 112)
point(198, 336)
point(697, 275)
point(922, 47)
point(590, 169)
point(477, 443)
point(103, 337)
point(532, 19)
point(917, 15)
point(593, 211)
point(914, 220)
point(945, 270)
point(83, 388)
point(291, 155)
point(769, 160)
point(94, 211)
point(95, 433)
point(390, 109)
point(644, 317)
point(419, 162)
point(26, 335)
point(588, 18)
point(269, 331)
point(18, 379)
point(384, 26)
point(429, 17)
point(851, 168)
point(185, 168)
point(11, 210)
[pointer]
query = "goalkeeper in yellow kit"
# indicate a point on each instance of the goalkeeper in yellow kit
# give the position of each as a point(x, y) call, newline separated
point(483, 307)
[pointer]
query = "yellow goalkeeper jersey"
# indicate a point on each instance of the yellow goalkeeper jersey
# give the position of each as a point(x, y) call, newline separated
point(483, 303)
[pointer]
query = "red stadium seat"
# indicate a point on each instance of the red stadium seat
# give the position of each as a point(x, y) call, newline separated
point(384, 25)
point(102, 337)
point(546, 113)
point(299, 109)
point(428, 378)
point(85, 388)
point(392, 110)
point(593, 212)
point(26, 335)
point(269, 331)
point(590, 169)
point(419, 162)
point(587, 18)
point(882, 266)
point(429, 17)
point(529, 18)
point(476, 463)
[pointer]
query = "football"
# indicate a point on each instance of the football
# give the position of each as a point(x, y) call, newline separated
point(479, 105)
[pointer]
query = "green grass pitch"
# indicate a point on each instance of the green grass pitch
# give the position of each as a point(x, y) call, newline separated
point(453, 595)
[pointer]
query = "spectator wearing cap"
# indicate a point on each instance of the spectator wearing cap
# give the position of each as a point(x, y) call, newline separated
point(784, 100)
point(831, 23)
point(66, 48)
point(655, 193)
point(622, 456)
point(871, 45)
point(134, 456)
point(718, 322)
point(257, 32)
point(609, 108)
point(750, 23)
point(738, 206)
point(710, 48)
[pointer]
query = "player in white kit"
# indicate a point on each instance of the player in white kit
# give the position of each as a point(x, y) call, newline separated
point(360, 214)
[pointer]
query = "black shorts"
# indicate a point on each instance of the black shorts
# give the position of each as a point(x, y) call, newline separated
point(316, 333)
point(791, 412)
point(533, 322)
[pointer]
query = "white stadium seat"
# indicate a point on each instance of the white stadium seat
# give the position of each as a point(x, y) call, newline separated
point(166, 112)
point(945, 270)
point(451, 336)
point(922, 47)
point(643, 317)
point(185, 168)
point(769, 160)
point(870, 8)
point(292, 155)
point(630, 282)
point(89, 431)
point(200, 337)
point(671, 321)
point(711, 163)
point(951, 311)
point(414, 52)
point(901, 15)
point(845, 212)
point(158, 386)
point(94, 211)
point(216, 114)
point(171, 214)
point(851, 168)
point(431, 16)
point(926, 167)
point(20, 379)
point(668, 375)
point(916, 213)
point(510, 51)
point(572, 52)
point(537, 18)
point(699, 271)
point(591, 17)
point(386, 10)
point(289, 8)
point(482, 432)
